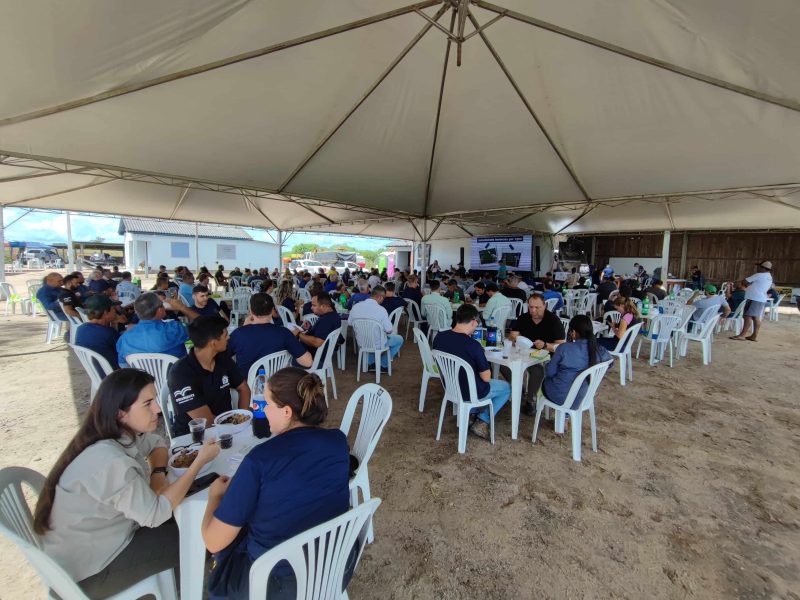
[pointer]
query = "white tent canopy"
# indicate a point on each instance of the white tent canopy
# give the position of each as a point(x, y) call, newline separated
point(375, 117)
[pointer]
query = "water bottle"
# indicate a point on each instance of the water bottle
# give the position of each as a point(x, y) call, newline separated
point(258, 404)
point(456, 298)
point(343, 300)
point(645, 306)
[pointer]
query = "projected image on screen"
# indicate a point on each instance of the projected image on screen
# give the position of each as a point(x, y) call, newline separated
point(488, 256)
point(515, 250)
point(512, 258)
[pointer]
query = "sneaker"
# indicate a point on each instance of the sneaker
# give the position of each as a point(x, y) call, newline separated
point(529, 409)
point(480, 429)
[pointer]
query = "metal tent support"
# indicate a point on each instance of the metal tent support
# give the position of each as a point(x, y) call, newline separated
point(70, 249)
point(665, 256)
point(197, 247)
point(2, 244)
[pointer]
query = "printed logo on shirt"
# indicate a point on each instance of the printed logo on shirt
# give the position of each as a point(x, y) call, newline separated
point(183, 395)
point(225, 382)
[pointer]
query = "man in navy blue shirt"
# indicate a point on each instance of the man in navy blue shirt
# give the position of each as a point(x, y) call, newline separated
point(328, 321)
point(97, 285)
point(361, 295)
point(259, 336)
point(390, 301)
point(203, 305)
point(49, 293)
point(201, 382)
point(99, 334)
point(412, 291)
point(459, 342)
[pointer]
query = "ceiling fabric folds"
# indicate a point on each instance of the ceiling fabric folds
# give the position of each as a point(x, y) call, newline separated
point(386, 118)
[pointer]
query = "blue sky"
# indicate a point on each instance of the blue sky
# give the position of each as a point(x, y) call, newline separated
point(48, 228)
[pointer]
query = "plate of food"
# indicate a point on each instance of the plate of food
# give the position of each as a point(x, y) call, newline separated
point(540, 354)
point(183, 459)
point(233, 421)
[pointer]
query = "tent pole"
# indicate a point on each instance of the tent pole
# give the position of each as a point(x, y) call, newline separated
point(424, 262)
point(280, 251)
point(665, 256)
point(3, 244)
point(70, 249)
point(197, 246)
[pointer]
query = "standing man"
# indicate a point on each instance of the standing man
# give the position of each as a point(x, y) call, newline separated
point(756, 298)
point(502, 270)
point(546, 331)
point(459, 342)
point(372, 309)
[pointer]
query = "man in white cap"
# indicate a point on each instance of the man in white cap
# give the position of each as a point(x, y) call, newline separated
point(755, 297)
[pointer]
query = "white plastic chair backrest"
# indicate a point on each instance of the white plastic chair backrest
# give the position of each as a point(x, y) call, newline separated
point(271, 362)
point(707, 314)
point(516, 307)
point(723, 290)
point(425, 352)
point(613, 295)
point(778, 300)
point(686, 293)
point(29, 283)
point(737, 314)
point(16, 524)
point(613, 315)
point(323, 357)
point(167, 411)
point(450, 367)
point(637, 303)
point(82, 312)
point(51, 315)
point(235, 282)
point(317, 556)
point(565, 323)
point(376, 407)
point(653, 298)
point(369, 334)
point(662, 326)
point(438, 319)
point(286, 315)
point(630, 334)
point(670, 307)
point(394, 318)
point(95, 365)
point(413, 310)
point(74, 321)
point(304, 295)
point(8, 290)
point(183, 300)
point(154, 363)
point(551, 304)
point(708, 327)
point(311, 318)
point(686, 314)
point(595, 374)
point(501, 315)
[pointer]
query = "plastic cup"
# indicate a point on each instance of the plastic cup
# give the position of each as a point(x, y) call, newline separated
point(197, 427)
point(506, 348)
point(225, 441)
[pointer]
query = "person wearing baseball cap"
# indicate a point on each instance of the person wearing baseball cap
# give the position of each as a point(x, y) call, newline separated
point(99, 333)
point(701, 314)
point(755, 296)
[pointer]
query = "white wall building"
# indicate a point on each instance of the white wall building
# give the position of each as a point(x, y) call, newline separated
point(153, 242)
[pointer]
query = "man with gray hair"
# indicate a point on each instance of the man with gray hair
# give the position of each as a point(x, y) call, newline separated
point(361, 295)
point(152, 333)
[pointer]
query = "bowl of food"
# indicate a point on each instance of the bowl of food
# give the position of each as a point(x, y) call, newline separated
point(233, 421)
point(183, 459)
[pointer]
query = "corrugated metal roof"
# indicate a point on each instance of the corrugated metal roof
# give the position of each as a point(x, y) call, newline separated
point(181, 228)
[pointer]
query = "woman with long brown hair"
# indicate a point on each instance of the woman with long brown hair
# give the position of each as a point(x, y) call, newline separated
point(292, 483)
point(104, 512)
point(630, 316)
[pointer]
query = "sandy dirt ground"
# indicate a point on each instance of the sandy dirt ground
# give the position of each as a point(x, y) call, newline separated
point(694, 493)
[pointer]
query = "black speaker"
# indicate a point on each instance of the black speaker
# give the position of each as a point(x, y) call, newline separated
point(538, 259)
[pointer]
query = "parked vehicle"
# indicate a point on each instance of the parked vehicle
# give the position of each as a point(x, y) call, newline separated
point(45, 255)
point(306, 265)
point(103, 258)
point(341, 266)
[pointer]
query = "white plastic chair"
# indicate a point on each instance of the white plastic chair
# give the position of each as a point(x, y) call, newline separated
point(670, 307)
point(517, 307)
point(438, 320)
point(376, 408)
point(772, 307)
point(304, 295)
point(323, 362)
point(318, 556)
point(82, 312)
point(429, 368)
point(595, 375)
point(685, 313)
point(286, 315)
point(735, 321)
point(414, 316)
point(271, 363)
point(167, 410)
point(95, 365)
point(500, 316)
point(371, 339)
point(154, 363)
point(311, 318)
point(551, 303)
point(13, 299)
point(660, 336)
point(394, 319)
point(614, 316)
point(54, 325)
point(16, 524)
point(240, 303)
point(704, 336)
point(624, 350)
point(74, 323)
point(449, 369)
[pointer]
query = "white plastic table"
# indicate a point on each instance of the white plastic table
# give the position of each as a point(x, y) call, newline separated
point(517, 362)
point(189, 513)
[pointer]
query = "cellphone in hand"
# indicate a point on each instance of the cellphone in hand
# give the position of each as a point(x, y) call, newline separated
point(202, 483)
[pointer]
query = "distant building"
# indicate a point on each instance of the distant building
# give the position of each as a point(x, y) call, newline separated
point(155, 242)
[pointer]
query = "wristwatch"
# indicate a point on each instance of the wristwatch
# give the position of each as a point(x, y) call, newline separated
point(158, 470)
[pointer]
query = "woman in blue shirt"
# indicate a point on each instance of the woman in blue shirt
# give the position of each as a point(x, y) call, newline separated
point(293, 482)
point(572, 358)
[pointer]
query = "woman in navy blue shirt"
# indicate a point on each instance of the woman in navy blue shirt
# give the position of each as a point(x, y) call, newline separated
point(572, 358)
point(293, 482)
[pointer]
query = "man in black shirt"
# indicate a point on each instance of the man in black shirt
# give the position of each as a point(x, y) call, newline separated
point(545, 330)
point(479, 295)
point(512, 289)
point(604, 289)
point(452, 288)
point(68, 297)
point(201, 382)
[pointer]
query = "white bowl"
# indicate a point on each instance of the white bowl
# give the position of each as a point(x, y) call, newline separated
point(232, 429)
point(524, 343)
point(178, 471)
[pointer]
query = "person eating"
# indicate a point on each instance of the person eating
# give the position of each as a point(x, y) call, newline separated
point(630, 316)
point(104, 513)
